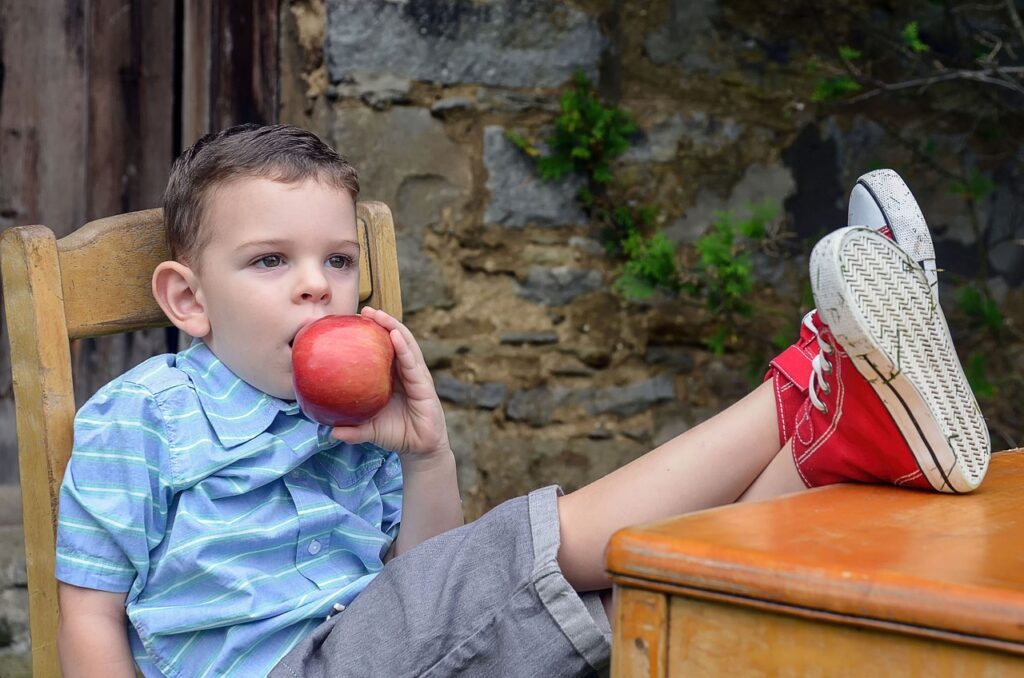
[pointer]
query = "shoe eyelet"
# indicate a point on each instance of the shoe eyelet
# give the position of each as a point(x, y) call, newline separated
point(827, 349)
point(823, 409)
point(826, 367)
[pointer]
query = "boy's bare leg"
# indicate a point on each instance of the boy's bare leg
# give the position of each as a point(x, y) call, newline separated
point(781, 477)
point(709, 465)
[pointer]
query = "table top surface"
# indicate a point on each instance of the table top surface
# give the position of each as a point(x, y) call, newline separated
point(954, 563)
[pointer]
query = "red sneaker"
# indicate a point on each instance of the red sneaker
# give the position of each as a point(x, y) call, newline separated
point(887, 400)
point(880, 200)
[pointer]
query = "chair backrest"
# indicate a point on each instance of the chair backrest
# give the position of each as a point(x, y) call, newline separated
point(93, 282)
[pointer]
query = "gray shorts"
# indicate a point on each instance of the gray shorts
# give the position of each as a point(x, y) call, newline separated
point(485, 599)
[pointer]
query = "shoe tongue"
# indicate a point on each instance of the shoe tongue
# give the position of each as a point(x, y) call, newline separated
point(794, 364)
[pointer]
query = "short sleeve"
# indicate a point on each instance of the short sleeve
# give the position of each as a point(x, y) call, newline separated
point(389, 484)
point(113, 500)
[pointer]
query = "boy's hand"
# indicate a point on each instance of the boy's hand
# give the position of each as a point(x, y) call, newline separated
point(412, 423)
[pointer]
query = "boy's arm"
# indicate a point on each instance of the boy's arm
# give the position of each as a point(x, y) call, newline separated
point(430, 501)
point(92, 639)
point(412, 424)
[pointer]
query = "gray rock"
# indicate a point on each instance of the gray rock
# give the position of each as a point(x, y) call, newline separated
point(509, 43)
point(505, 101)
point(468, 430)
point(438, 353)
point(379, 91)
point(487, 396)
point(726, 383)
point(631, 399)
point(759, 183)
point(12, 558)
point(529, 338)
point(686, 37)
point(708, 133)
point(518, 196)
point(660, 143)
point(559, 285)
point(406, 160)
point(536, 406)
point(587, 245)
point(448, 105)
point(679, 358)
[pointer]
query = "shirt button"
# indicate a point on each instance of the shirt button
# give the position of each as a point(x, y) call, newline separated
point(314, 547)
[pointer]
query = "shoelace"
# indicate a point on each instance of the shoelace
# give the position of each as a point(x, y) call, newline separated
point(820, 366)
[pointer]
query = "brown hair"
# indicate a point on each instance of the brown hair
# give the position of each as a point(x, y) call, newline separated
point(278, 152)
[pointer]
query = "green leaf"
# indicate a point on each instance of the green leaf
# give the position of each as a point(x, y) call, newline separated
point(976, 370)
point(834, 88)
point(912, 39)
point(847, 53)
point(976, 186)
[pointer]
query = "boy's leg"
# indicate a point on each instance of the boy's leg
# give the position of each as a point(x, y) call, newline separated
point(487, 598)
point(780, 477)
point(886, 403)
point(709, 465)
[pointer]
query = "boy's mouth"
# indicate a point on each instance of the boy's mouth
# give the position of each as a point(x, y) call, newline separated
point(302, 326)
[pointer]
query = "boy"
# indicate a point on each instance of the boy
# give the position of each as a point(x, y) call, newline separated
point(208, 528)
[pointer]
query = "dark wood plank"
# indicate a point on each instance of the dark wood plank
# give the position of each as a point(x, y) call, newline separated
point(244, 67)
point(129, 147)
point(42, 118)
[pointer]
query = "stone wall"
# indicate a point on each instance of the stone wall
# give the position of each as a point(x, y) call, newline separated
point(547, 375)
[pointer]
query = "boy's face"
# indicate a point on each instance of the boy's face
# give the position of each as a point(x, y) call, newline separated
point(279, 256)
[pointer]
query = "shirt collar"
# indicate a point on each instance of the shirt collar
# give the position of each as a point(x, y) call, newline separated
point(236, 410)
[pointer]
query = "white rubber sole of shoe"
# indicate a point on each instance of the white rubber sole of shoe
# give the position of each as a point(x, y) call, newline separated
point(878, 305)
point(881, 198)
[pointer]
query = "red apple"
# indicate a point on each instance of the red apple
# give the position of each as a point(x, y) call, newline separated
point(341, 369)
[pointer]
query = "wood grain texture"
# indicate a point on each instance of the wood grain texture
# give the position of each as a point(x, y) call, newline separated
point(952, 563)
point(714, 639)
point(383, 254)
point(640, 643)
point(106, 271)
point(45, 412)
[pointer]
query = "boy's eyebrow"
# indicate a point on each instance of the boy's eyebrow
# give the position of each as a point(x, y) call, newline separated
point(279, 242)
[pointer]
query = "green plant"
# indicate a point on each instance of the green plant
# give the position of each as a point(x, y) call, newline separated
point(912, 38)
point(724, 266)
point(981, 309)
point(976, 371)
point(975, 186)
point(588, 135)
point(651, 264)
point(836, 87)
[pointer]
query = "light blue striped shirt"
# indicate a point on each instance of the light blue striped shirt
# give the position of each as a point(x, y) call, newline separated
point(233, 522)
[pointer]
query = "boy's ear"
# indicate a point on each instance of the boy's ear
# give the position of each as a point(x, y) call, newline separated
point(175, 288)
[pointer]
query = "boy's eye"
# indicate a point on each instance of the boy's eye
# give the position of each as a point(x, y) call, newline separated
point(269, 261)
point(340, 261)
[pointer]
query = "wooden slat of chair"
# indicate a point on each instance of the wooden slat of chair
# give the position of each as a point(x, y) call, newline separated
point(93, 282)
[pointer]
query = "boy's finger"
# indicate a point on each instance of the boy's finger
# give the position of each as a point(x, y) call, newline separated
point(353, 434)
point(390, 323)
point(411, 367)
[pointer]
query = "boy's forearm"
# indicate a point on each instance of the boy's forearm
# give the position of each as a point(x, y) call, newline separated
point(430, 503)
point(95, 647)
point(92, 639)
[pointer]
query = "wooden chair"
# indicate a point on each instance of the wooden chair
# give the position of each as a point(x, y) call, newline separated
point(93, 282)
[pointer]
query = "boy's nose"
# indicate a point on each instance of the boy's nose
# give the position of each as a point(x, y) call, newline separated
point(313, 287)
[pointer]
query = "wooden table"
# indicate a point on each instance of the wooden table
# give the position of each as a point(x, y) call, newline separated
point(844, 580)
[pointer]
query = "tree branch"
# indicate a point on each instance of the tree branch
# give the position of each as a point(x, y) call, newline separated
point(1015, 18)
point(991, 76)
